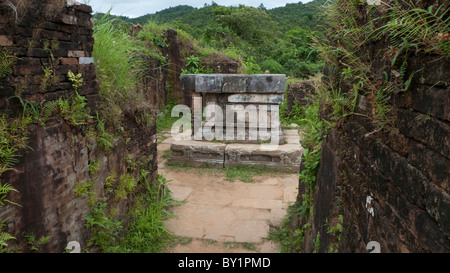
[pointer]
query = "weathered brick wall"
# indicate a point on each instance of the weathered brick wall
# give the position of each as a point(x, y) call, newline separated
point(58, 36)
point(48, 35)
point(162, 80)
point(391, 186)
point(299, 93)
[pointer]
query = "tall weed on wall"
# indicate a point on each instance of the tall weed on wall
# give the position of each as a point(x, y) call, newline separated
point(118, 64)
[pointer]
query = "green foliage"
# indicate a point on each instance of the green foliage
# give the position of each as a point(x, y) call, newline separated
point(121, 65)
point(381, 109)
point(245, 173)
point(109, 181)
point(47, 79)
point(282, 35)
point(219, 36)
point(252, 67)
point(94, 166)
point(310, 162)
point(290, 241)
point(105, 229)
point(13, 137)
point(410, 31)
point(273, 66)
point(85, 188)
point(313, 130)
point(336, 231)
point(307, 15)
point(165, 119)
point(166, 15)
point(4, 190)
point(295, 115)
point(77, 80)
point(167, 153)
point(131, 165)
point(47, 109)
point(104, 139)
point(73, 110)
point(125, 186)
point(268, 48)
point(316, 243)
point(194, 66)
point(30, 109)
point(116, 55)
point(146, 233)
point(7, 62)
point(252, 25)
point(4, 237)
point(416, 25)
point(151, 39)
point(32, 243)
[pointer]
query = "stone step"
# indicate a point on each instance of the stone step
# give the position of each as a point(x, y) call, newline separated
point(281, 157)
point(243, 136)
point(197, 153)
point(223, 155)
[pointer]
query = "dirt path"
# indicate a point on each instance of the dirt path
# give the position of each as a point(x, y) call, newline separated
point(218, 216)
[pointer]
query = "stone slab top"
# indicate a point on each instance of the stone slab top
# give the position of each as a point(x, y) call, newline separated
point(234, 83)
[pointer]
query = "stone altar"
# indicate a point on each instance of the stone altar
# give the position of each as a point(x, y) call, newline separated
point(235, 120)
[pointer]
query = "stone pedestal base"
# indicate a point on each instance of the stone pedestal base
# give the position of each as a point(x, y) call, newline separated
point(222, 155)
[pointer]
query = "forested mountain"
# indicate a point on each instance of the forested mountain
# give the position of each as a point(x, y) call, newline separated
point(278, 40)
point(166, 15)
point(302, 15)
point(290, 16)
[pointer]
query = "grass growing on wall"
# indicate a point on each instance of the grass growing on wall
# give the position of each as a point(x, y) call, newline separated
point(314, 131)
point(15, 131)
point(404, 29)
point(145, 234)
point(148, 234)
point(120, 61)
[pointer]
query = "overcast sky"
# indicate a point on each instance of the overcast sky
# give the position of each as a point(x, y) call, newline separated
point(136, 8)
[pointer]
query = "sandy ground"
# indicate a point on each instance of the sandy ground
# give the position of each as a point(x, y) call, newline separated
point(219, 216)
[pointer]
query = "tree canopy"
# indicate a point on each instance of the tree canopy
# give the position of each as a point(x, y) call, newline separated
point(279, 40)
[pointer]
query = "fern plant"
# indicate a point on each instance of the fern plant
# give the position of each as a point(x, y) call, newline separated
point(7, 62)
point(48, 78)
point(105, 229)
point(422, 27)
point(125, 186)
point(32, 243)
point(74, 111)
point(4, 190)
point(5, 236)
point(77, 80)
point(104, 139)
point(13, 137)
point(46, 110)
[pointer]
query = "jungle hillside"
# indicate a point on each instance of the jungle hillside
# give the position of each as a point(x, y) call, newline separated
point(279, 40)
